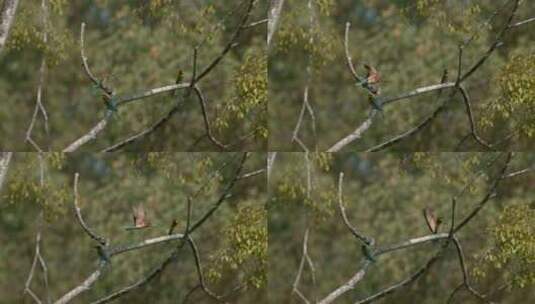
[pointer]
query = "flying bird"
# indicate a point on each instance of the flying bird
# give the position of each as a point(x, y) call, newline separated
point(372, 76)
point(140, 218)
point(431, 220)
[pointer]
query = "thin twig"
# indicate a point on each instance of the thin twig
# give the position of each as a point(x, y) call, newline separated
point(349, 61)
point(486, 198)
point(497, 43)
point(198, 266)
point(251, 174)
point(223, 196)
point(207, 126)
point(295, 285)
point(473, 131)
point(357, 234)
point(101, 240)
point(230, 44)
point(134, 138)
point(39, 106)
point(466, 282)
point(522, 22)
point(270, 161)
point(273, 19)
point(253, 24)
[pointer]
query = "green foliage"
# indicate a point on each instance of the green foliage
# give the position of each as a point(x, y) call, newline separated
point(410, 43)
point(320, 45)
point(384, 195)
point(325, 6)
point(249, 100)
point(26, 188)
point(246, 239)
point(134, 46)
point(517, 102)
point(512, 251)
point(28, 34)
point(58, 6)
point(232, 242)
point(293, 187)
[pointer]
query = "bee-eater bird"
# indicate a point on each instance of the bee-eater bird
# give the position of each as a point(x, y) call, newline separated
point(371, 83)
point(110, 102)
point(179, 77)
point(139, 217)
point(367, 251)
point(372, 76)
point(103, 254)
point(431, 220)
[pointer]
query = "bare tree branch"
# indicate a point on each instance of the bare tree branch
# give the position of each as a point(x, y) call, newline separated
point(384, 101)
point(5, 158)
point(466, 281)
point(473, 131)
point(83, 287)
point(108, 92)
point(38, 258)
point(349, 285)
point(270, 161)
point(223, 196)
point(198, 265)
point(357, 234)
point(357, 277)
point(295, 285)
point(7, 16)
point(274, 16)
point(39, 106)
point(101, 240)
point(403, 283)
point(356, 134)
point(486, 198)
point(522, 22)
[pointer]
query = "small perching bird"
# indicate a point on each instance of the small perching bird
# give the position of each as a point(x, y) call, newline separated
point(179, 78)
point(431, 220)
point(103, 254)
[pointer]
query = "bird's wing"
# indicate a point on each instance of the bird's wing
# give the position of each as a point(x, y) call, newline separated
point(430, 220)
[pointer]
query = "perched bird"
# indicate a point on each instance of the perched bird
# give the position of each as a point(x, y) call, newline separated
point(139, 216)
point(179, 78)
point(373, 102)
point(110, 102)
point(367, 251)
point(371, 83)
point(444, 79)
point(431, 220)
point(103, 254)
point(172, 227)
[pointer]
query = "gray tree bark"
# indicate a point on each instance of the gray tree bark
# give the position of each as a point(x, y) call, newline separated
point(275, 9)
point(5, 158)
point(7, 15)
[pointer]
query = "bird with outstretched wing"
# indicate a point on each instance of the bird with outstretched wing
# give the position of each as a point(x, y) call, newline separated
point(140, 218)
point(431, 220)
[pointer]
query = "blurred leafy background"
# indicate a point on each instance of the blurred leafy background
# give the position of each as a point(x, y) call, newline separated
point(135, 46)
point(410, 43)
point(232, 243)
point(384, 194)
